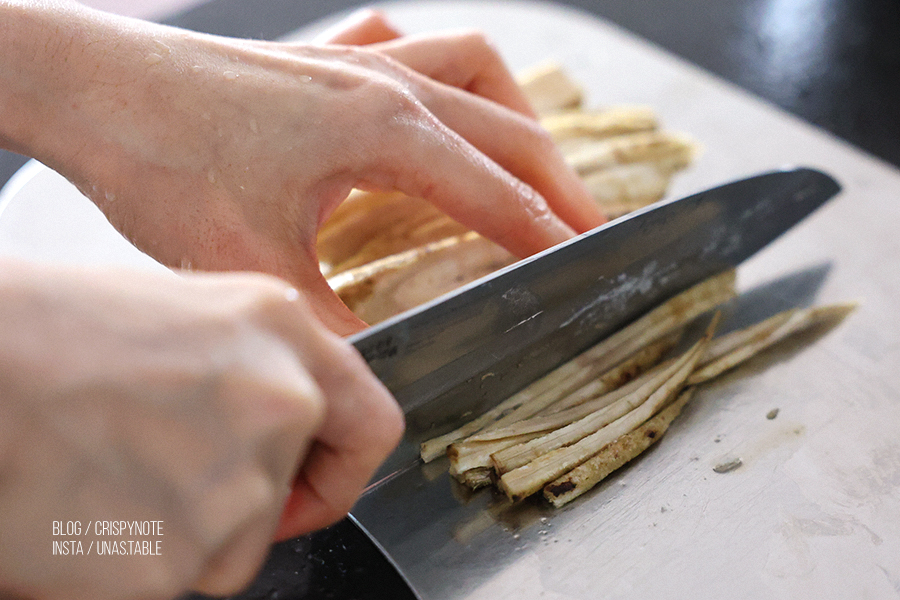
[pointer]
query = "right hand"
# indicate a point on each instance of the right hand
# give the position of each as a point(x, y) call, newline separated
point(203, 402)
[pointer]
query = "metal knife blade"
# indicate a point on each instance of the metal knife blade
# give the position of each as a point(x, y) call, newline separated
point(524, 320)
point(467, 351)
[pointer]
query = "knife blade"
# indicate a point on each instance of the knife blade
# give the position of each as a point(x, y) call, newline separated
point(522, 321)
point(467, 351)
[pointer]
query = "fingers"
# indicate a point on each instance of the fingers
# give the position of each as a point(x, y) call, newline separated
point(445, 169)
point(326, 304)
point(462, 80)
point(521, 147)
point(363, 27)
point(362, 426)
point(321, 417)
point(501, 136)
point(468, 62)
point(462, 60)
point(423, 157)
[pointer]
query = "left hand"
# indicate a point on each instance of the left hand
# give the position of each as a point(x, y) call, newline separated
point(227, 154)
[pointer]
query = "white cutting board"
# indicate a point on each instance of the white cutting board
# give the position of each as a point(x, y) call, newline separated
point(814, 512)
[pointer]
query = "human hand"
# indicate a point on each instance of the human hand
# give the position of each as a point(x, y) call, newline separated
point(203, 402)
point(225, 154)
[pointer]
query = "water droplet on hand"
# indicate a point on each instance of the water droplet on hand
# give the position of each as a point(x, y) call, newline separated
point(162, 48)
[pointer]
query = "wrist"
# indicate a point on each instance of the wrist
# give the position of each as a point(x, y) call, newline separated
point(59, 61)
point(35, 40)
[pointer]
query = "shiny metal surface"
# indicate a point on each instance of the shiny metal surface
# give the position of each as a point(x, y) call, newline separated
point(463, 354)
point(813, 511)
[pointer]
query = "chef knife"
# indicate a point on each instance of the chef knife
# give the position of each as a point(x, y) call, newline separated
point(469, 350)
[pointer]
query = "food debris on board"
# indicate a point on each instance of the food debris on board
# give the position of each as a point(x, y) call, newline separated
point(728, 466)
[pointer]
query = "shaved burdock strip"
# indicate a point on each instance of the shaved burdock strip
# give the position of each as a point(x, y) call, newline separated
point(384, 288)
point(598, 124)
point(625, 371)
point(553, 421)
point(622, 189)
point(722, 354)
point(742, 345)
point(465, 456)
point(599, 359)
point(477, 451)
point(549, 88)
point(586, 386)
point(622, 375)
point(587, 155)
point(566, 434)
point(528, 479)
point(615, 455)
point(369, 226)
point(477, 478)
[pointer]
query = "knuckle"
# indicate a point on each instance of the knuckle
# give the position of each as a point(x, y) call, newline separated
point(306, 409)
point(477, 41)
point(398, 103)
point(472, 57)
point(392, 424)
point(403, 125)
point(272, 299)
point(384, 112)
point(482, 52)
point(541, 139)
point(382, 412)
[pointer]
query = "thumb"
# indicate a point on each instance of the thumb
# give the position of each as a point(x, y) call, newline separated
point(325, 303)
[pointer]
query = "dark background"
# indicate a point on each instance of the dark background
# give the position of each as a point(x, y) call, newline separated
point(834, 63)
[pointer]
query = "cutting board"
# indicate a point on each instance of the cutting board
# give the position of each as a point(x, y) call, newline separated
point(813, 512)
